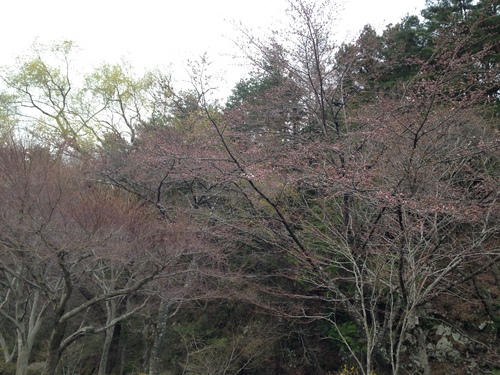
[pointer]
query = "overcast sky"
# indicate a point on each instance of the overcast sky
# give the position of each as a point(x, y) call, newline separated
point(156, 33)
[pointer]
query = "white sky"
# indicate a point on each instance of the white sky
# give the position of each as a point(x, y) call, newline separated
point(156, 33)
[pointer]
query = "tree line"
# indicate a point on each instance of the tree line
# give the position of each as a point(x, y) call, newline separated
point(337, 215)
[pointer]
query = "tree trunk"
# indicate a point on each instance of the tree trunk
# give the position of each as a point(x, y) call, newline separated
point(26, 341)
point(161, 331)
point(103, 364)
point(24, 349)
point(111, 315)
point(54, 350)
point(115, 348)
point(22, 362)
point(422, 352)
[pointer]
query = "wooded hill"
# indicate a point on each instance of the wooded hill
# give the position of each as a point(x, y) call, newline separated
point(338, 215)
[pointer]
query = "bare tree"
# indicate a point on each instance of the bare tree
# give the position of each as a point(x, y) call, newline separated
point(66, 237)
point(382, 220)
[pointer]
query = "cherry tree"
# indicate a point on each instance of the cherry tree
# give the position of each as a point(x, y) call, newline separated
point(73, 247)
point(398, 209)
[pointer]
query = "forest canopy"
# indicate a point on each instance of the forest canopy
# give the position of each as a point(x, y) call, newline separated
point(338, 214)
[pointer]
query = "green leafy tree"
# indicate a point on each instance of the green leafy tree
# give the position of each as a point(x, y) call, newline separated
point(440, 14)
point(63, 110)
point(45, 95)
point(117, 101)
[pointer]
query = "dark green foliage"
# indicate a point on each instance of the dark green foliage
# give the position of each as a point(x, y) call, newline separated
point(440, 14)
point(347, 334)
point(7, 368)
point(406, 46)
point(248, 90)
point(217, 336)
point(391, 60)
point(270, 74)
